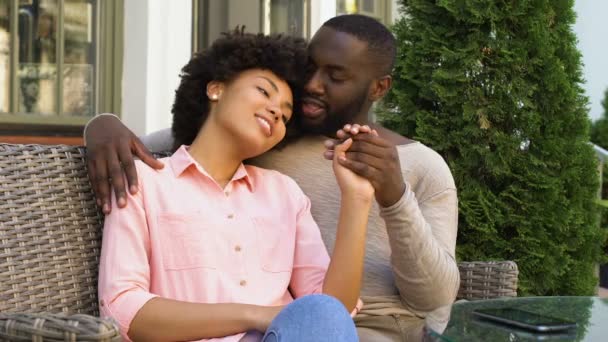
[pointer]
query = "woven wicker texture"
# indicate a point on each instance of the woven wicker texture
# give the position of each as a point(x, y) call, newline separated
point(487, 279)
point(46, 327)
point(50, 233)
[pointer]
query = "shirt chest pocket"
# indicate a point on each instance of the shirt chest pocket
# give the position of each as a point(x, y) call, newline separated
point(187, 241)
point(275, 244)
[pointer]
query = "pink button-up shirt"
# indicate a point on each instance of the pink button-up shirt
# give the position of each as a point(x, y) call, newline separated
point(183, 237)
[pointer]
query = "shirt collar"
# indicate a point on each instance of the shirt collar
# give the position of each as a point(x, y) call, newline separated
point(181, 160)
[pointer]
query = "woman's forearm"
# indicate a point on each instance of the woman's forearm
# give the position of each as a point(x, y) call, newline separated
point(163, 319)
point(343, 278)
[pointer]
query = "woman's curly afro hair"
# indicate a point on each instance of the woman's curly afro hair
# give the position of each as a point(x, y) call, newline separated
point(228, 56)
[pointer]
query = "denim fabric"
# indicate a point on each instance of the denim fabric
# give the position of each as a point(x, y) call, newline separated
point(312, 318)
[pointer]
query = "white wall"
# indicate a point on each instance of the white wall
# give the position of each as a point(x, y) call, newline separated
point(592, 31)
point(157, 44)
point(320, 12)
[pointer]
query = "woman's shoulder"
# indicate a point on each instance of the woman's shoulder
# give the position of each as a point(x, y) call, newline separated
point(147, 174)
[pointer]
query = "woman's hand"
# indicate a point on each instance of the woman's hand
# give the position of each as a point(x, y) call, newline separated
point(374, 158)
point(350, 183)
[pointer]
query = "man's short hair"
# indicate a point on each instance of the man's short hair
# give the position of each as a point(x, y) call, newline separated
point(380, 41)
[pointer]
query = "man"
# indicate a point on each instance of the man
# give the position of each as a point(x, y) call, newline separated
point(410, 267)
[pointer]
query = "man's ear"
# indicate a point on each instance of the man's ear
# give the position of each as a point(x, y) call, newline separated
point(380, 87)
point(214, 90)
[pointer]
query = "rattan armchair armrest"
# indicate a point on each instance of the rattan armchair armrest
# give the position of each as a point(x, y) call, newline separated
point(56, 327)
point(487, 279)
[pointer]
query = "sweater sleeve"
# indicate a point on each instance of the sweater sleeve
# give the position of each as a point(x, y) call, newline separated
point(422, 235)
point(159, 141)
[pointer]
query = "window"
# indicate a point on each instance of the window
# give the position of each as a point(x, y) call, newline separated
point(51, 62)
point(286, 16)
point(379, 9)
point(212, 17)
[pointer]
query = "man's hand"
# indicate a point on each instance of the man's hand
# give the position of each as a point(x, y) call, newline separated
point(373, 158)
point(110, 150)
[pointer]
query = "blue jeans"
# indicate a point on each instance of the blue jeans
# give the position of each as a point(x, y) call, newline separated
point(312, 318)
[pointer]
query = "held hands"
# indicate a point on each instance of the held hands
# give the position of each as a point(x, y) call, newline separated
point(371, 157)
point(110, 150)
point(350, 183)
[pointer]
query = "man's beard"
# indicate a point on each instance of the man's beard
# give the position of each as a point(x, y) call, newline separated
point(336, 120)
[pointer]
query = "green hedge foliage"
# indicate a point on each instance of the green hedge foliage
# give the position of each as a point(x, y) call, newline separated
point(495, 87)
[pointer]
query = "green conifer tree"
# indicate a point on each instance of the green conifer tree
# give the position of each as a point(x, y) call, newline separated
point(495, 87)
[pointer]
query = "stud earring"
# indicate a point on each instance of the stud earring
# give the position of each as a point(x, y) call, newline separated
point(214, 97)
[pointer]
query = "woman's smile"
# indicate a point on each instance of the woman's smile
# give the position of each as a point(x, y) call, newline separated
point(265, 123)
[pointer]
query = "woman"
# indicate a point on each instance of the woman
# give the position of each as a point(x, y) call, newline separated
point(212, 248)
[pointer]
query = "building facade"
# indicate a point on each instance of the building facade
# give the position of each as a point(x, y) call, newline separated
point(64, 61)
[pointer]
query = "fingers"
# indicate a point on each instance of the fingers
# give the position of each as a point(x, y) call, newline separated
point(374, 139)
point(362, 169)
point(357, 146)
point(342, 134)
point(101, 183)
point(92, 178)
point(378, 163)
point(142, 152)
point(117, 180)
point(364, 147)
point(348, 131)
point(128, 165)
point(341, 149)
point(355, 129)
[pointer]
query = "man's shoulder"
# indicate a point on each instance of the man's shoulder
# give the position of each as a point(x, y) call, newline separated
point(392, 136)
point(422, 164)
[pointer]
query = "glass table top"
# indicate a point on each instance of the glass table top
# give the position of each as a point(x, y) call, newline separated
point(456, 323)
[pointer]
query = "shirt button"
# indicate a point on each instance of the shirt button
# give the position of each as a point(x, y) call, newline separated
point(243, 283)
point(230, 216)
point(237, 248)
point(102, 303)
point(227, 193)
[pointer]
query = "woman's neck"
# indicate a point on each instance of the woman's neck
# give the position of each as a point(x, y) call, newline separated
point(216, 153)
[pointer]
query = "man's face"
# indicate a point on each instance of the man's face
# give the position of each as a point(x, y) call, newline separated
point(337, 91)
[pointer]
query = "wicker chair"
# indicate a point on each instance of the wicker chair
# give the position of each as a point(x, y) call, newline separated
point(50, 239)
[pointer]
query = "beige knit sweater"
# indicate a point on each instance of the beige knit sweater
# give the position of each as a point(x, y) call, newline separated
point(410, 267)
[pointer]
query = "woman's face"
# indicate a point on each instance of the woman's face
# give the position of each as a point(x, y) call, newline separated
point(254, 108)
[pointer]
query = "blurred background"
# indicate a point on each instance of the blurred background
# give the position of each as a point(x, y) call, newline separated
point(63, 61)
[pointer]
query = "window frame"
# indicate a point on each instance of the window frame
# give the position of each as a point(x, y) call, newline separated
point(200, 9)
point(382, 10)
point(107, 78)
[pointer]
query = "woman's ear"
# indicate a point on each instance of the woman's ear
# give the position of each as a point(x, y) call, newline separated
point(214, 90)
